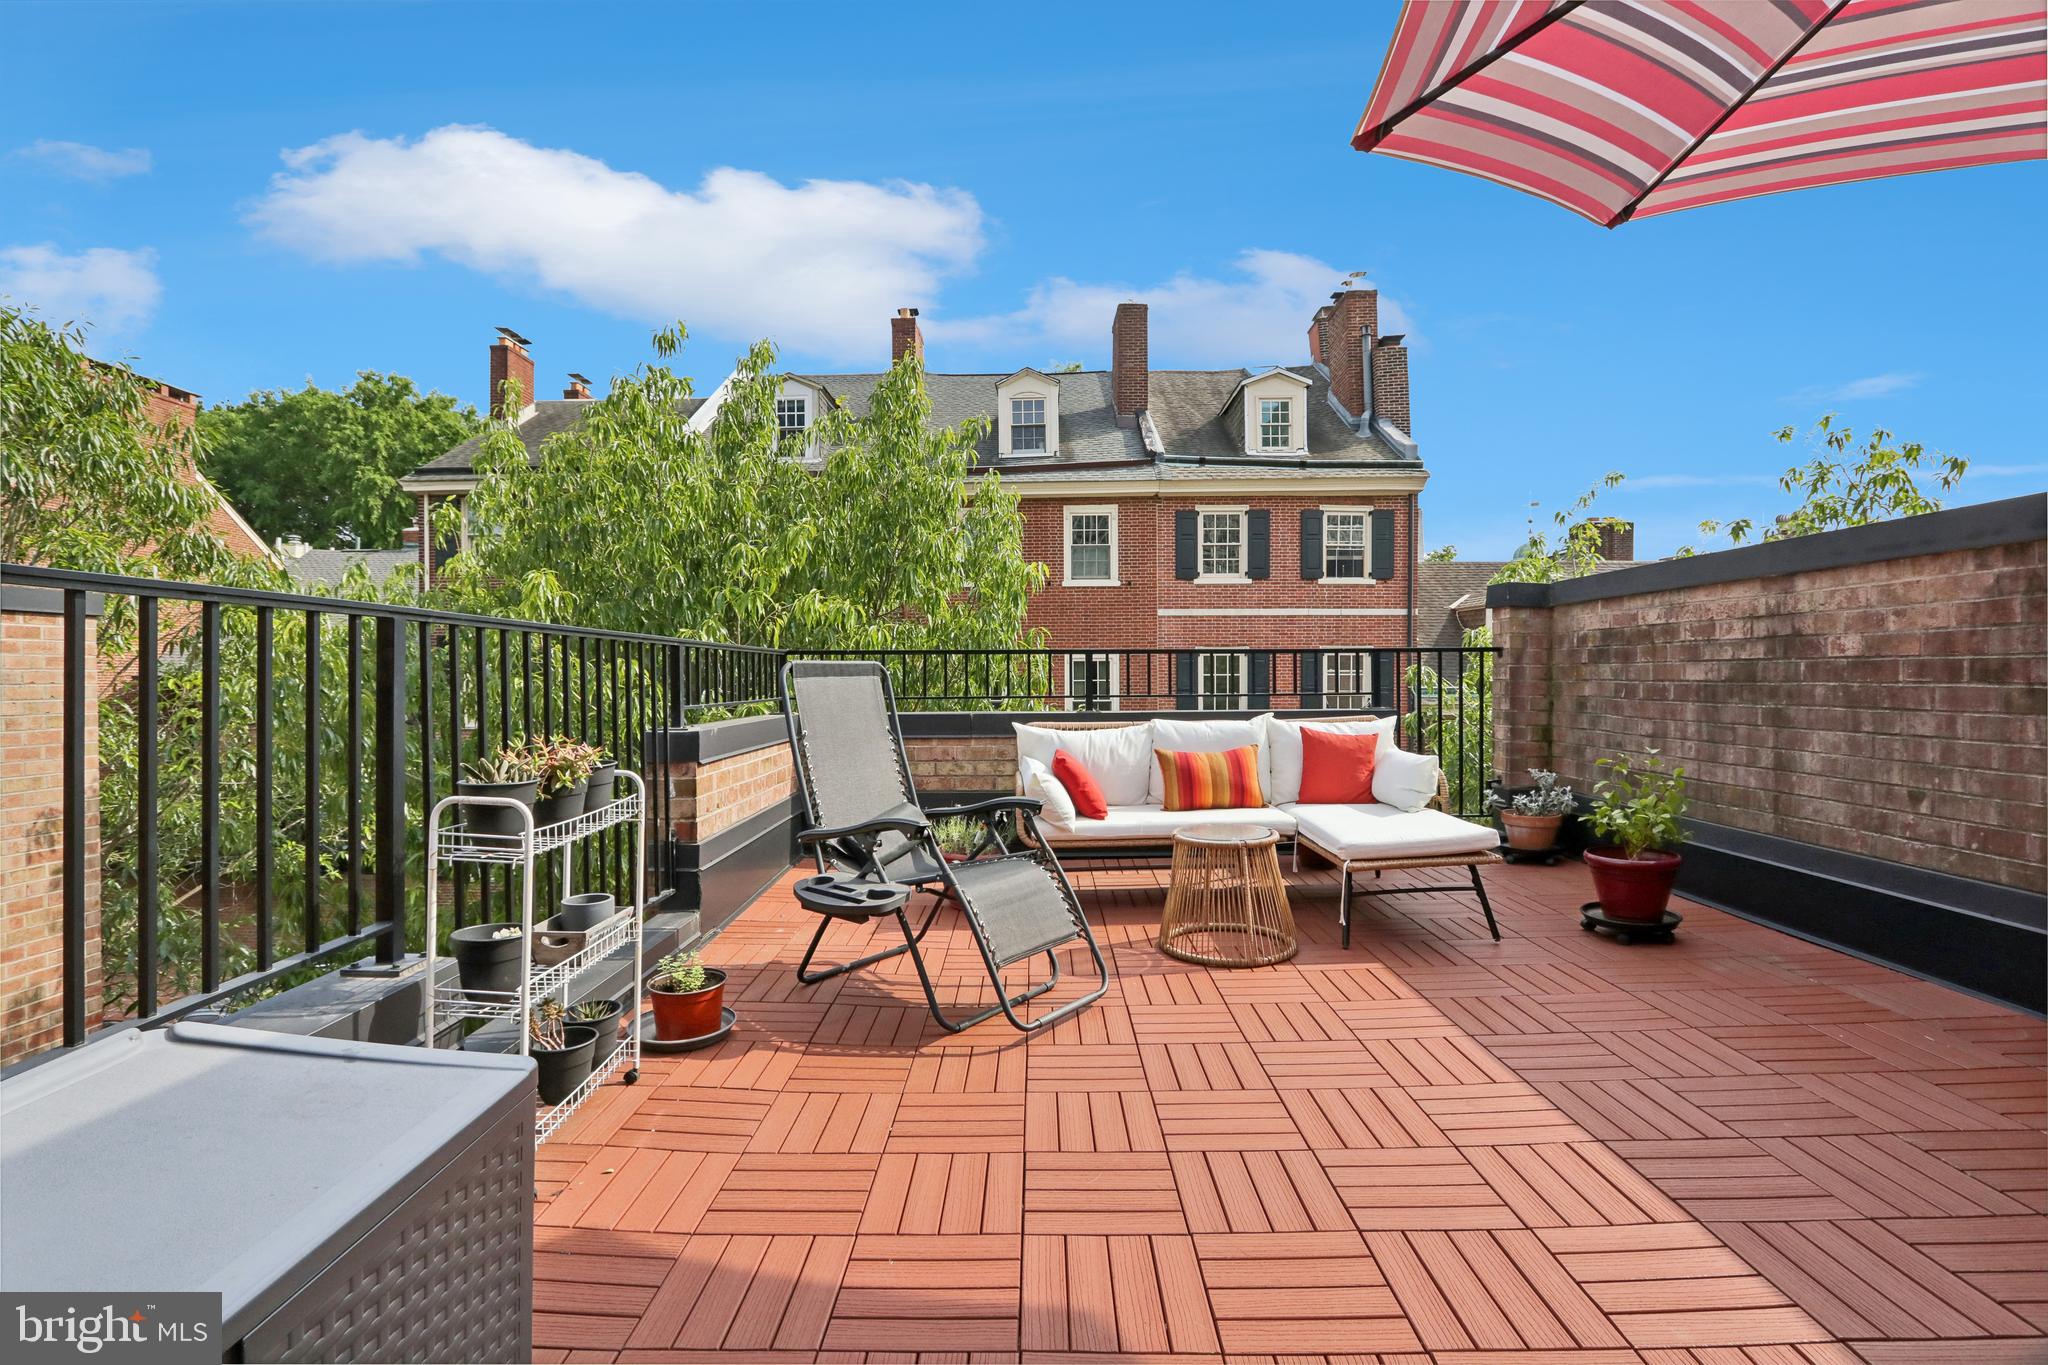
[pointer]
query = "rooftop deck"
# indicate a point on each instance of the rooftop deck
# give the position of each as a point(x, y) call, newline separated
point(1741, 1149)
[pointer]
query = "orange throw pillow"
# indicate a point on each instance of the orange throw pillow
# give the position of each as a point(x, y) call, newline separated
point(1081, 785)
point(1336, 770)
point(1225, 781)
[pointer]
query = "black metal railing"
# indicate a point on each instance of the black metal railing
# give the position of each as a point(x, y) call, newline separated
point(259, 767)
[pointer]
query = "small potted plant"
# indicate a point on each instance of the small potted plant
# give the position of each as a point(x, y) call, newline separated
point(565, 765)
point(604, 781)
point(1531, 817)
point(689, 998)
point(512, 774)
point(602, 1015)
point(487, 959)
point(563, 1051)
point(1636, 809)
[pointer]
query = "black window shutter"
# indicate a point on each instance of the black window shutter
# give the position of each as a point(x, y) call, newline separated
point(1383, 545)
point(1184, 681)
point(1262, 675)
point(1384, 662)
point(1311, 666)
point(1258, 544)
point(1311, 544)
point(1184, 561)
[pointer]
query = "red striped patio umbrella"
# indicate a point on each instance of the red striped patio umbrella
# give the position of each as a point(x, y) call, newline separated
point(1619, 109)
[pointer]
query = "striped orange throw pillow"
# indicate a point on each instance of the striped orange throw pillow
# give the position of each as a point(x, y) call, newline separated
point(1225, 781)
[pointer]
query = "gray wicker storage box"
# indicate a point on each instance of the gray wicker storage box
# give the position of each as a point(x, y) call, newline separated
point(348, 1201)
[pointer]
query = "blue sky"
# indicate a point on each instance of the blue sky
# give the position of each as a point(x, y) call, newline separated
point(247, 196)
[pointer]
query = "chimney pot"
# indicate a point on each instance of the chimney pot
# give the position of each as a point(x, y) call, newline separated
point(1130, 361)
point(905, 337)
point(579, 386)
point(510, 361)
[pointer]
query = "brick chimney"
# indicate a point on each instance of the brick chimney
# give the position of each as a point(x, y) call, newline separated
point(1352, 324)
point(1130, 361)
point(1390, 383)
point(1316, 325)
point(509, 360)
point(1617, 538)
point(579, 386)
point(905, 337)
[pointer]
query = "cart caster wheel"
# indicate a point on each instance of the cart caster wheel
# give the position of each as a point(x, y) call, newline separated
point(632, 1076)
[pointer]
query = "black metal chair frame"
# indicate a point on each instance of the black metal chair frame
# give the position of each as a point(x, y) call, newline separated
point(855, 848)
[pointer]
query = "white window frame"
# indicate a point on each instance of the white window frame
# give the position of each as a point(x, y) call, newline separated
point(1027, 384)
point(1238, 575)
point(1207, 700)
point(1365, 562)
point(1286, 441)
point(1068, 580)
point(1333, 697)
point(1111, 699)
point(1044, 429)
point(802, 405)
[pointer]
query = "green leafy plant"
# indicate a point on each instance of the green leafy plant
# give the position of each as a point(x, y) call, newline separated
point(1460, 731)
point(513, 762)
point(957, 834)
point(1844, 485)
point(681, 973)
point(1442, 554)
point(1638, 806)
point(561, 762)
point(1548, 797)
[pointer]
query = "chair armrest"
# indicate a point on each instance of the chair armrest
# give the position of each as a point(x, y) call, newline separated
point(989, 807)
point(888, 824)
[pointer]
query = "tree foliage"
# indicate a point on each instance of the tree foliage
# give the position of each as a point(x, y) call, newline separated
point(866, 534)
point(1574, 553)
point(1847, 485)
point(1460, 731)
point(325, 466)
point(1442, 554)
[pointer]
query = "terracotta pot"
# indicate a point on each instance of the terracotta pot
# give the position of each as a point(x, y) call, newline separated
point(679, 1015)
point(1632, 888)
point(1532, 832)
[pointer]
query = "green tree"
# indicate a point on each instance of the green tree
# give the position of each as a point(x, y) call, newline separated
point(1442, 554)
point(325, 466)
point(1846, 485)
point(1576, 550)
point(1460, 731)
point(867, 534)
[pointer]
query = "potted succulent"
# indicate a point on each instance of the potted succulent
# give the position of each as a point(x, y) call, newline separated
point(563, 1051)
point(564, 771)
point(604, 781)
point(1531, 817)
point(487, 958)
point(511, 773)
point(602, 1015)
point(1636, 809)
point(689, 998)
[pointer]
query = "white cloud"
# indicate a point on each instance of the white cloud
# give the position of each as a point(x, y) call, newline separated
point(816, 266)
point(1870, 386)
point(1257, 315)
point(114, 290)
point(87, 162)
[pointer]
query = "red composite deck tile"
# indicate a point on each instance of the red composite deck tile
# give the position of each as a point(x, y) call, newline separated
point(1740, 1149)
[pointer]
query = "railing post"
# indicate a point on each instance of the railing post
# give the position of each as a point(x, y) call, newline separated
point(74, 817)
point(389, 723)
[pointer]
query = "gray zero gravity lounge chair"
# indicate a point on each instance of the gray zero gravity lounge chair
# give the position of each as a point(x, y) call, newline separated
point(865, 821)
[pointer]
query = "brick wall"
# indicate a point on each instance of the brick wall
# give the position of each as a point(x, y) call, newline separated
point(1896, 709)
point(977, 763)
point(31, 833)
point(706, 798)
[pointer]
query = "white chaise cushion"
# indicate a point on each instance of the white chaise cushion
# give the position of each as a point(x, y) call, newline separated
point(1403, 780)
point(1201, 737)
point(1158, 824)
point(1117, 756)
point(1042, 785)
point(1380, 831)
point(1280, 749)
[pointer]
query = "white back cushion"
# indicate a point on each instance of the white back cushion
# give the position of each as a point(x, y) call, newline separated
point(1040, 783)
point(1199, 737)
point(1117, 756)
point(1282, 749)
point(1403, 780)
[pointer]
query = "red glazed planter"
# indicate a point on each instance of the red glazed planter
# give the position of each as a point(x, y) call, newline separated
point(1633, 888)
point(680, 1016)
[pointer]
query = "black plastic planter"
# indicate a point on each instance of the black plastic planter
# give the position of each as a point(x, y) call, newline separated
point(556, 807)
point(607, 1027)
point(584, 911)
point(563, 1069)
point(484, 963)
point(604, 781)
point(496, 819)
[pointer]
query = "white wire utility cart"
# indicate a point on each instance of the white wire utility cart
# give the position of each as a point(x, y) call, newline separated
point(453, 843)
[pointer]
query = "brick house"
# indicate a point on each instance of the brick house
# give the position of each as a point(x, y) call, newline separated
point(1236, 536)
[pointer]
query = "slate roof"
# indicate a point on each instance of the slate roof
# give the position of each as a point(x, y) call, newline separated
point(327, 568)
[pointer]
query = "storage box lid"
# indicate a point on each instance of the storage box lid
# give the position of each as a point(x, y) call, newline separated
point(199, 1157)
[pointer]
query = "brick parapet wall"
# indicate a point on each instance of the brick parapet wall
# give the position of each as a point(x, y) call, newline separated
point(710, 797)
point(31, 833)
point(1894, 709)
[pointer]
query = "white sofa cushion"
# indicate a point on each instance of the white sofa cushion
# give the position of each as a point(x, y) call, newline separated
point(1380, 831)
point(1403, 780)
point(1158, 824)
point(1118, 757)
point(1201, 737)
point(1042, 785)
point(1281, 749)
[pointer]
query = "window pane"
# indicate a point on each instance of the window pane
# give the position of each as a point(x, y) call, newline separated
point(1222, 542)
point(1088, 554)
point(1344, 544)
point(1276, 432)
point(1027, 424)
point(1344, 680)
point(790, 414)
point(1089, 684)
point(1222, 677)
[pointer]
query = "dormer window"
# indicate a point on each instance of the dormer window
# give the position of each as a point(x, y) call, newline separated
point(1276, 425)
point(792, 416)
point(1027, 426)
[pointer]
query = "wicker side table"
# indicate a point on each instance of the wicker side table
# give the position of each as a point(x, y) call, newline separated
point(1226, 905)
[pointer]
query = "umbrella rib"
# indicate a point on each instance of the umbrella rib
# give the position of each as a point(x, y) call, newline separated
point(1364, 142)
point(1793, 51)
